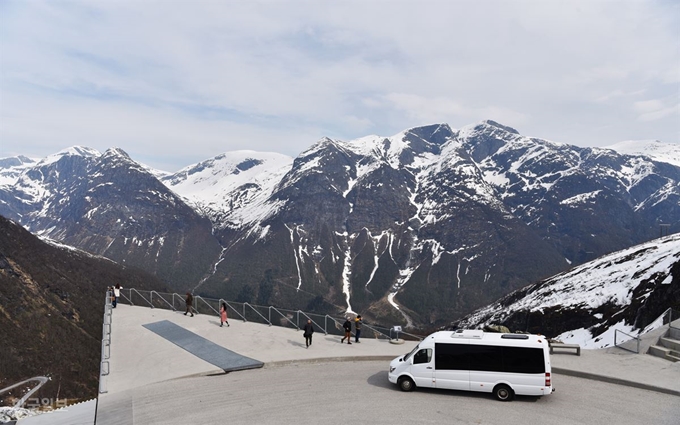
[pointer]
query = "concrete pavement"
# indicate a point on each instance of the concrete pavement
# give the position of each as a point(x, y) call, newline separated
point(143, 362)
point(139, 357)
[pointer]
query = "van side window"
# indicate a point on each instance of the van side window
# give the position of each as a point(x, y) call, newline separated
point(423, 356)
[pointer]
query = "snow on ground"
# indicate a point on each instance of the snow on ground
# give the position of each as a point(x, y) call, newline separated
point(608, 279)
point(654, 149)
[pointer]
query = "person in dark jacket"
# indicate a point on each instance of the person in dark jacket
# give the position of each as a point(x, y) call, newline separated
point(189, 302)
point(348, 331)
point(357, 328)
point(308, 331)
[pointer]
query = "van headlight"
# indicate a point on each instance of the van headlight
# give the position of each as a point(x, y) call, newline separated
point(392, 369)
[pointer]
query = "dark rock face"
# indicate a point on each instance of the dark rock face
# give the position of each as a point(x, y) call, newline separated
point(437, 221)
point(51, 304)
point(111, 206)
point(424, 215)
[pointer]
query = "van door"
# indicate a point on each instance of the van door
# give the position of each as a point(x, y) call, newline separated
point(452, 366)
point(422, 368)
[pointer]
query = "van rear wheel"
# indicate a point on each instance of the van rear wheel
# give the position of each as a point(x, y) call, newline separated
point(406, 384)
point(503, 392)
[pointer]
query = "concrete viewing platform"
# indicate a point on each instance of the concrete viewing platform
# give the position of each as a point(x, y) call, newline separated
point(164, 364)
point(140, 357)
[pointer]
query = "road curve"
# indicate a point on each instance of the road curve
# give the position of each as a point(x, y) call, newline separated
point(358, 392)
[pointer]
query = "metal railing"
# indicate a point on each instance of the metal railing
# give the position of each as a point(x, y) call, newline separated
point(20, 403)
point(106, 342)
point(268, 315)
point(618, 343)
point(665, 319)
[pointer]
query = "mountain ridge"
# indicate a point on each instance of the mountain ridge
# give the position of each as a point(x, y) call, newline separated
point(432, 220)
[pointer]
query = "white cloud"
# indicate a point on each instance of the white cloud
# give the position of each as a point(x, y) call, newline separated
point(183, 81)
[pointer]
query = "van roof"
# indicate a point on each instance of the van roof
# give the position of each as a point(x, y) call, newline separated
point(472, 335)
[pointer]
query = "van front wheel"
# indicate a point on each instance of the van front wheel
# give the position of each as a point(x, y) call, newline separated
point(406, 384)
point(503, 392)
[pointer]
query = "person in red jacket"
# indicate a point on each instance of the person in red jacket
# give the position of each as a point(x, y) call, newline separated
point(223, 314)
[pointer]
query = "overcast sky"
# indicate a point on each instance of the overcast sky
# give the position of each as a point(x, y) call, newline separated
point(176, 82)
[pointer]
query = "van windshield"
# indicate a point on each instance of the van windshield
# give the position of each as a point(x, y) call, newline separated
point(406, 357)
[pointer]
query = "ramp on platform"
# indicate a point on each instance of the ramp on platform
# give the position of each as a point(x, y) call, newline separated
point(200, 347)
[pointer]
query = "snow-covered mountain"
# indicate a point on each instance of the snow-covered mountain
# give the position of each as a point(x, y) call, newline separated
point(423, 226)
point(654, 149)
point(625, 290)
point(11, 168)
point(434, 220)
point(110, 205)
point(231, 188)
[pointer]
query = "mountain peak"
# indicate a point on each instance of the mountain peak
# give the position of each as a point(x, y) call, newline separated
point(116, 152)
point(82, 151)
point(501, 126)
point(436, 133)
point(15, 161)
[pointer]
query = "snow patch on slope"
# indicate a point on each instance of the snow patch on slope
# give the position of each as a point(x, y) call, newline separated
point(608, 279)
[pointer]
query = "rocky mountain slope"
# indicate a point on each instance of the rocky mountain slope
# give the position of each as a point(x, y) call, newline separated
point(51, 310)
point(626, 290)
point(110, 205)
point(423, 226)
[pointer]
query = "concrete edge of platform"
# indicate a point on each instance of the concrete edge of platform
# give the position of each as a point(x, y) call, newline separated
point(558, 370)
point(214, 372)
point(612, 380)
point(281, 363)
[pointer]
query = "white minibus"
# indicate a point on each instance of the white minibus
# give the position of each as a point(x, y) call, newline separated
point(473, 360)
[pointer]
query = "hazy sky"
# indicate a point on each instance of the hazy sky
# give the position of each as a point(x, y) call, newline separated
point(176, 82)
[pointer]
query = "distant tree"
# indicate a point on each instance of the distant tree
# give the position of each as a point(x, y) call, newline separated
point(266, 288)
point(246, 294)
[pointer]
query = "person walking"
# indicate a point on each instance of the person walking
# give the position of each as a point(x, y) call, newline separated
point(357, 328)
point(116, 294)
point(223, 314)
point(308, 331)
point(189, 302)
point(348, 331)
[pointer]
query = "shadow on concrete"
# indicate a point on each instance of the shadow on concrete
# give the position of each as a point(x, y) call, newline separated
point(296, 343)
point(380, 380)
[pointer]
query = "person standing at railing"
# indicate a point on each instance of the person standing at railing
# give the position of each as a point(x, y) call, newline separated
point(348, 331)
point(116, 294)
point(223, 314)
point(189, 302)
point(357, 328)
point(308, 332)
